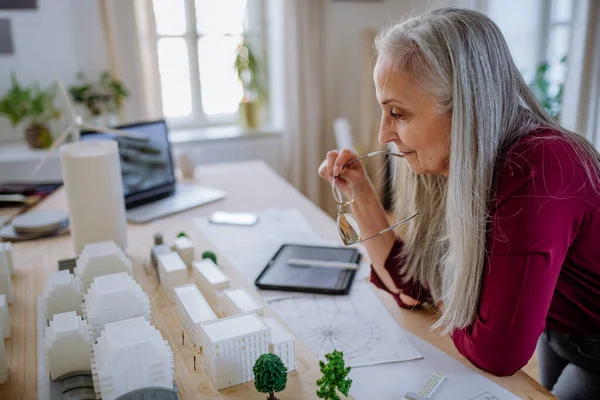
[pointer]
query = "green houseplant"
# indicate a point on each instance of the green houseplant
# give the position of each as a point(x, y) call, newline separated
point(102, 97)
point(34, 106)
point(550, 99)
point(250, 72)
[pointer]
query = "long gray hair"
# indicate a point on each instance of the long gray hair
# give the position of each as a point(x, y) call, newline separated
point(460, 58)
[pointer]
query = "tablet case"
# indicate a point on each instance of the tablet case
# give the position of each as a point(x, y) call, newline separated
point(279, 275)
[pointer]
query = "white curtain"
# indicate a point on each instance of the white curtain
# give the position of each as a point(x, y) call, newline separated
point(581, 102)
point(306, 135)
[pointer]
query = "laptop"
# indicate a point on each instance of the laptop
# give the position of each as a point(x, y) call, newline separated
point(148, 174)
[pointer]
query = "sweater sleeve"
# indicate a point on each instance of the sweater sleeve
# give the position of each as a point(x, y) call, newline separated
point(410, 288)
point(530, 231)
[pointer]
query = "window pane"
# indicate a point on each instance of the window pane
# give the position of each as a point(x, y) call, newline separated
point(170, 17)
point(220, 17)
point(561, 10)
point(220, 87)
point(174, 71)
point(557, 49)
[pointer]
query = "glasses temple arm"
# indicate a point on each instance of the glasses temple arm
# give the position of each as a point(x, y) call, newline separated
point(389, 228)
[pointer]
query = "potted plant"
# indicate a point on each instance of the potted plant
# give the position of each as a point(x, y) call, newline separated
point(102, 98)
point(32, 105)
point(250, 72)
point(549, 97)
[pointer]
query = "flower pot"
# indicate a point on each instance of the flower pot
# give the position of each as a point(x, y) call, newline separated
point(250, 114)
point(38, 136)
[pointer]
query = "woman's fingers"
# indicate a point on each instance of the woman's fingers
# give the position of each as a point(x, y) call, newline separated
point(331, 157)
point(344, 157)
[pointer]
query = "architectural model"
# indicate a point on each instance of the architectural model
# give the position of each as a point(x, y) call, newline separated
point(158, 250)
point(4, 317)
point(131, 355)
point(183, 246)
point(5, 281)
point(6, 254)
point(238, 301)
point(283, 343)
point(172, 272)
point(192, 309)
point(99, 259)
point(67, 347)
point(62, 294)
point(113, 298)
point(3, 362)
point(231, 346)
point(210, 279)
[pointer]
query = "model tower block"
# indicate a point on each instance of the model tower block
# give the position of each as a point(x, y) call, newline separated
point(239, 301)
point(283, 343)
point(113, 298)
point(102, 258)
point(4, 318)
point(184, 247)
point(131, 355)
point(67, 347)
point(211, 280)
point(231, 346)
point(62, 294)
point(6, 254)
point(5, 272)
point(172, 272)
point(193, 310)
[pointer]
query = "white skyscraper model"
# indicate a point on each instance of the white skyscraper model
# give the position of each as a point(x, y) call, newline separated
point(183, 246)
point(231, 346)
point(193, 309)
point(67, 347)
point(283, 343)
point(5, 268)
point(172, 272)
point(62, 294)
point(4, 317)
point(113, 298)
point(3, 362)
point(6, 253)
point(131, 355)
point(210, 279)
point(102, 258)
point(238, 301)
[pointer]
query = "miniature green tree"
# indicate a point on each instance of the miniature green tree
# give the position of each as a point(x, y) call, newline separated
point(270, 375)
point(211, 255)
point(334, 376)
point(182, 234)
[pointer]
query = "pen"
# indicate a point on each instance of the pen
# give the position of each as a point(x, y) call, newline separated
point(299, 262)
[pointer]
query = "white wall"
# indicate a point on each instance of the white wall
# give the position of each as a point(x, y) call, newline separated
point(58, 39)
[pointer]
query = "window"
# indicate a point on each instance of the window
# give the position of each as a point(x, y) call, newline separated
point(197, 46)
point(558, 35)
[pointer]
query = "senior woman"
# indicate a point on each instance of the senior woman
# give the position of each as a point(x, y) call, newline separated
point(506, 245)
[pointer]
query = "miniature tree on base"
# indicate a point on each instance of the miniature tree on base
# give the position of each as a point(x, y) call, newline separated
point(334, 376)
point(270, 375)
point(211, 255)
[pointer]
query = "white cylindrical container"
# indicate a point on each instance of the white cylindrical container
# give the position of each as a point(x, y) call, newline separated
point(94, 187)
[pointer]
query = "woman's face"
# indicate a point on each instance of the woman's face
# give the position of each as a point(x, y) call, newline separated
point(411, 121)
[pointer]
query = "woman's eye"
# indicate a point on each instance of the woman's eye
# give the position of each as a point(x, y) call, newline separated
point(396, 115)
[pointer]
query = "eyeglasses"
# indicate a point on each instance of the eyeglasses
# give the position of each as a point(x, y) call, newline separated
point(348, 226)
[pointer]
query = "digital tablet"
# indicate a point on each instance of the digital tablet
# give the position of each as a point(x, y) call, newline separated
point(310, 269)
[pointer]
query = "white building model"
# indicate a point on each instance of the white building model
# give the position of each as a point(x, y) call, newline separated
point(3, 362)
point(192, 309)
point(210, 279)
point(172, 272)
point(113, 298)
point(131, 355)
point(4, 317)
point(283, 343)
point(6, 254)
point(102, 258)
point(62, 294)
point(183, 246)
point(5, 272)
point(238, 301)
point(231, 347)
point(67, 347)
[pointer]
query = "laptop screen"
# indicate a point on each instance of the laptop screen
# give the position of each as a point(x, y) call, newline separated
point(146, 165)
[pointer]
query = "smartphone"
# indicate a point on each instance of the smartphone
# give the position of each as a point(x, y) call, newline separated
point(233, 218)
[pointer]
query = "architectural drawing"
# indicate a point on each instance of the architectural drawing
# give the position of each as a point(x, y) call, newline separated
point(113, 298)
point(283, 343)
point(172, 272)
point(354, 324)
point(102, 258)
point(192, 309)
point(67, 347)
point(231, 346)
point(62, 294)
point(4, 317)
point(238, 301)
point(131, 355)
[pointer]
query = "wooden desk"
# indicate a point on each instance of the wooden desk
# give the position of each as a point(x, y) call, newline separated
point(250, 186)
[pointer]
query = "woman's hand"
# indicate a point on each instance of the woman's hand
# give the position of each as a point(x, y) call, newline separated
point(352, 178)
point(409, 301)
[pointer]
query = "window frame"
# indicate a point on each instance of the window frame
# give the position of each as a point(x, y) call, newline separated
point(255, 28)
